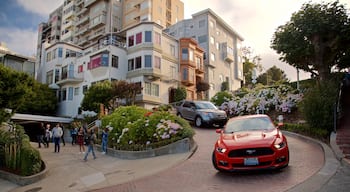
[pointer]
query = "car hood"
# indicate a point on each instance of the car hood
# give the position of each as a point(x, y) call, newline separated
point(250, 138)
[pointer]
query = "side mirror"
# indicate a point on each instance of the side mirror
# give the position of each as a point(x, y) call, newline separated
point(218, 130)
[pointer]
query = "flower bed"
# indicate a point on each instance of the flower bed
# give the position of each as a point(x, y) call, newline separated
point(134, 128)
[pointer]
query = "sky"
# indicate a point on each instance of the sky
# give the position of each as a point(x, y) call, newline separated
point(254, 20)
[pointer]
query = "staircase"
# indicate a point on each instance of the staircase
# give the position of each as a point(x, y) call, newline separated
point(343, 130)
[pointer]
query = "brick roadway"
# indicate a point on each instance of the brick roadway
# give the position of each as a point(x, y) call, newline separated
point(198, 174)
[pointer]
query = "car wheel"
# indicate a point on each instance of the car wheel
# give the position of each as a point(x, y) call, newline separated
point(213, 158)
point(198, 121)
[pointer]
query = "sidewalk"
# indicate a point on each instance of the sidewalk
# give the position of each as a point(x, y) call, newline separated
point(68, 172)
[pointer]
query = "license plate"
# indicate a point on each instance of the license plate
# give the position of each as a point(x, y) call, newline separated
point(251, 161)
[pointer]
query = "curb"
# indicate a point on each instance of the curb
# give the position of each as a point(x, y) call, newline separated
point(319, 179)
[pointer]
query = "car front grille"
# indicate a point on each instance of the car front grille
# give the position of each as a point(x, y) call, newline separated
point(251, 152)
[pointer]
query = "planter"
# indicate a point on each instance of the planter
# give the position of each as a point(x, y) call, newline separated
point(181, 146)
point(24, 180)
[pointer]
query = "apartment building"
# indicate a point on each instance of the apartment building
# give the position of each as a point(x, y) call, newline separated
point(191, 67)
point(223, 57)
point(163, 12)
point(16, 61)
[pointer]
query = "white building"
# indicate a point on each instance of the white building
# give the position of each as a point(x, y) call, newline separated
point(223, 62)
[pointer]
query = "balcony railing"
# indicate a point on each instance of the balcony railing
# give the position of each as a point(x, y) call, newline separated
point(70, 77)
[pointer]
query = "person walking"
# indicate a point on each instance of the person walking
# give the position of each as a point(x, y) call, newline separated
point(80, 140)
point(104, 140)
point(48, 134)
point(40, 136)
point(73, 134)
point(62, 137)
point(57, 134)
point(91, 143)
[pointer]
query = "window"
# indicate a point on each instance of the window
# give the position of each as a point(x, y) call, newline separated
point(76, 91)
point(115, 61)
point(212, 40)
point(98, 61)
point(184, 55)
point(131, 64)
point(70, 93)
point(138, 38)
point(201, 23)
point(157, 38)
point(131, 41)
point(172, 50)
point(148, 36)
point(54, 53)
point(64, 94)
point(217, 46)
point(185, 74)
point(212, 56)
point(191, 54)
point(211, 24)
point(148, 61)
point(60, 52)
point(157, 62)
point(57, 75)
point(49, 77)
point(85, 88)
point(198, 63)
point(80, 68)
point(138, 63)
point(64, 72)
point(173, 72)
point(202, 39)
point(151, 89)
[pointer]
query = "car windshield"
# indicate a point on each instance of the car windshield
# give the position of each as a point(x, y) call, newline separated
point(205, 105)
point(249, 124)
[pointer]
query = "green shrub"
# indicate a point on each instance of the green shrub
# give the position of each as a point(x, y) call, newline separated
point(221, 97)
point(30, 160)
point(318, 104)
point(135, 128)
point(306, 130)
point(180, 94)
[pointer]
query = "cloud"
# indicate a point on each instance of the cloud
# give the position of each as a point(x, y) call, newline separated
point(21, 41)
point(40, 7)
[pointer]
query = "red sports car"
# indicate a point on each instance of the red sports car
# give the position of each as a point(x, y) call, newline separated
point(248, 143)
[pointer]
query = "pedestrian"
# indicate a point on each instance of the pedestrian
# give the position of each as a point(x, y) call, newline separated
point(73, 134)
point(104, 140)
point(80, 140)
point(91, 143)
point(40, 136)
point(48, 134)
point(57, 134)
point(62, 137)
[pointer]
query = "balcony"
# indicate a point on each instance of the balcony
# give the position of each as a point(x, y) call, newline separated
point(77, 3)
point(200, 69)
point(81, 31)
point(96, 22)
point(70, 78)
point(89, 2)
point(79, 12)
point(227, 52)
point(150, 73)
point(83, 20)
point(187, 82)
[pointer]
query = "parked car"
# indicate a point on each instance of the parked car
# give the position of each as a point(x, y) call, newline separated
point(248, 143)
point(201, 113)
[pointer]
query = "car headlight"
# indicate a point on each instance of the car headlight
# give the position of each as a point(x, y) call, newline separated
point(221, 150)
point(279, 144)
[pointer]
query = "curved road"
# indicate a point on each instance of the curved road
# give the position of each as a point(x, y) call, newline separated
point(198, 175)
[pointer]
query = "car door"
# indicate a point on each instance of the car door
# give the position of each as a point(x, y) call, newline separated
point(187, 110)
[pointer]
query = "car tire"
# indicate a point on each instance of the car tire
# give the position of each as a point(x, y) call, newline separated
point(213, 158)
point(198, 122)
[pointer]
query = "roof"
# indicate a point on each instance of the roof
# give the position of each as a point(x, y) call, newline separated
point(27, 118)
point(218, 18)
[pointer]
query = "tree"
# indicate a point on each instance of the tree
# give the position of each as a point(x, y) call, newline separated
point(250, 65)
point(40, 100)
point(14, 87)
point(99, 93)
point(124, 90)
point(271, 76)
point(202, 86)
point(316, 38)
